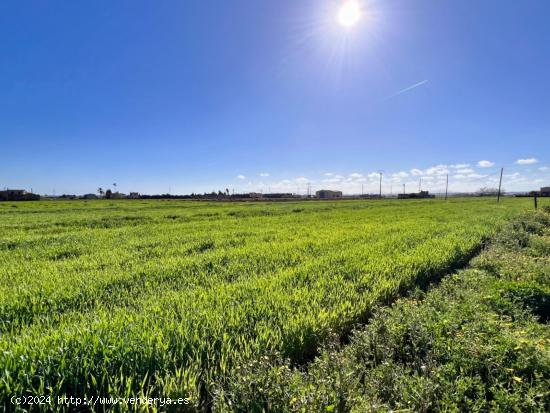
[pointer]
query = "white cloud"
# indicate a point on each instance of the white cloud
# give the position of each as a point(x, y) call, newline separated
point(468, 176)
point(437, 170)
point(476, 176)
point(529, 161)
point(485, 164)
point(401, 174)
point(465, 171)
point(462, 177)
point(264, 174)
point(241, 177)
point(333, 179)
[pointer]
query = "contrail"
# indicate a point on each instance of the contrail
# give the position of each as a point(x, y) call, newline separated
point(407, 89)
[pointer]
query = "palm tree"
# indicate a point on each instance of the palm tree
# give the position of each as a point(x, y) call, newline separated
point(100, 191)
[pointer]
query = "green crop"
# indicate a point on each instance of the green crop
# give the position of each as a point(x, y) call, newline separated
point(162, 298)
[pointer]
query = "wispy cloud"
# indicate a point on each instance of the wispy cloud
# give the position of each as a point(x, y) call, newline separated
point(411, 87)
point(465, 171)
point(468, 176)
point(241, 177)
point(513, 175)
point(437, 170)
point(529, 161)
point(264, 174)
point(485, 164)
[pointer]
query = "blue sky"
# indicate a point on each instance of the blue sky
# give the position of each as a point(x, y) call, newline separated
point(257, 95)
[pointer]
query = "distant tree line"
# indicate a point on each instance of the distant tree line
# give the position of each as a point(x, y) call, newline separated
point(486, 191)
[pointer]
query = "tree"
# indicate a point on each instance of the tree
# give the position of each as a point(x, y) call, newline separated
point(100, 191)
point(108, 194)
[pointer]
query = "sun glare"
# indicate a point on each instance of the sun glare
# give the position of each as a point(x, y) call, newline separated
point(349, 13)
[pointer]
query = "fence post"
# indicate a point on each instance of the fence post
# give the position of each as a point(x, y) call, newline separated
point(535, 199)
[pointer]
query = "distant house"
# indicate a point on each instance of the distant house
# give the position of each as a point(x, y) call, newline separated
point(133, 195)
point(544, 192)
point(416, 195)
point(255, 195)
point(328, 194)
point(18, 195)
point(12, 194)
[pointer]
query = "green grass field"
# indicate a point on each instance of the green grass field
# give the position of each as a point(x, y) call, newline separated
point(165, 298)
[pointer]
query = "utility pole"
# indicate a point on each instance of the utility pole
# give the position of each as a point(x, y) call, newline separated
point(362, 191)
point(420, 185)
point(403, 189)
point(499, 184)
point(380, 193)
point(446, 187)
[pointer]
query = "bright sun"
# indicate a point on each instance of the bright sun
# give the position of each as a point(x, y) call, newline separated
point(349, 13)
